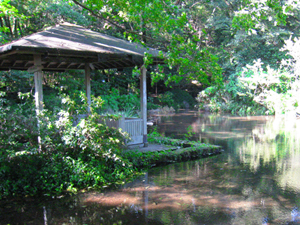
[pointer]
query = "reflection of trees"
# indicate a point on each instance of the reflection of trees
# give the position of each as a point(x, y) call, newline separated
point(207, 127)
point(277, 142)
point(277, 139)
point(228, 194)
point(73, 211)
point(269, 146)
point(213, 193)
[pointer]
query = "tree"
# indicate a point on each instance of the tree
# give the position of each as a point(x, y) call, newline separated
point(10, 20)
point(165, 25)
point(198, 37)
point(22, 17)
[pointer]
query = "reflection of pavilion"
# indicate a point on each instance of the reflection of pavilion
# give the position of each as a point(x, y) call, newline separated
point(71, 47)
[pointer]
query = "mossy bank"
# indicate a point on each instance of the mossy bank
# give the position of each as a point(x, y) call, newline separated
point(175, 150)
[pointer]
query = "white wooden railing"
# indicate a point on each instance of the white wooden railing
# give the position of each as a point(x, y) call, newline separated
point(133, 126)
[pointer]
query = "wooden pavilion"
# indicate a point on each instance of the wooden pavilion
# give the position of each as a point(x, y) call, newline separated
point(71, 47)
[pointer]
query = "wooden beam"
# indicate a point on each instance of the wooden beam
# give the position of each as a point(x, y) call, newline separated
point(2, 56)
point(119, 64)
point(143, 89)
point(92, 66)
point(15, 63)
point(80, 65)
point(27, 63)
point(71, 64)
point(102, 58)
point(71, 59)
point(59, 65)
point(88, 85)
point(46, 65)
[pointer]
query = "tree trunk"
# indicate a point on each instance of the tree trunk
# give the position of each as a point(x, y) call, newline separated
point(20, 29)
point(7, 21)
point(16, 28)
point(1, 22)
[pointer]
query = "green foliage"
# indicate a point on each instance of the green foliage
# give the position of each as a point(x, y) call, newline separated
point(115, 102)
point(175, 98)
point(145, 159)
point(190, 134)
point(163, 25)
point(23, 17)
point(72, 157)
point(182, 99)
point(179, 150)
point(259, 88)
point(104, 82)
point(10, 14)
point(166, 99)
point(14, 81)
point(18, 125)
point(255, 91)
point(240, 32)
point(253, 14)
point(151, 104)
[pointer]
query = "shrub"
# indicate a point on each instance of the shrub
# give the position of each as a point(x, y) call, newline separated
point(166, 99)
point(115, 102)
point(72, 157)
point(177, 99)
point(182, 99)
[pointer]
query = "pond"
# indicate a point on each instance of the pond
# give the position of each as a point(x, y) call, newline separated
point(256, 180)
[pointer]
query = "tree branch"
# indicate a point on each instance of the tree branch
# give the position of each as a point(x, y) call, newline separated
point(113, 22)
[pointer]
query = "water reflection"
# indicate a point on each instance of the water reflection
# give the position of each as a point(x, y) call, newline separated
point(256, 181)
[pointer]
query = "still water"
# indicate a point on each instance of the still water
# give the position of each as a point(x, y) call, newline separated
point(256, 180)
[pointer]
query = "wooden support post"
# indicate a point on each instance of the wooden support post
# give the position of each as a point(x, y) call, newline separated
point(38, 81)
point(143, 87)
point(88, 86)
point(38, 93)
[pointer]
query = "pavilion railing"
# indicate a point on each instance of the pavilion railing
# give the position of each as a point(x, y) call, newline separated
point(133, 126)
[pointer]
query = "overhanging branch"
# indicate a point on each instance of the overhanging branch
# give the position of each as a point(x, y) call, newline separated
point(95, 14)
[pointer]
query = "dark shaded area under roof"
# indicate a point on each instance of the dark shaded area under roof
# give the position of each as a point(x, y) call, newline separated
point(67, 46)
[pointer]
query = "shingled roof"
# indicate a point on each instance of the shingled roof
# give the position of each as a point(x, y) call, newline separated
point(68, 46)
